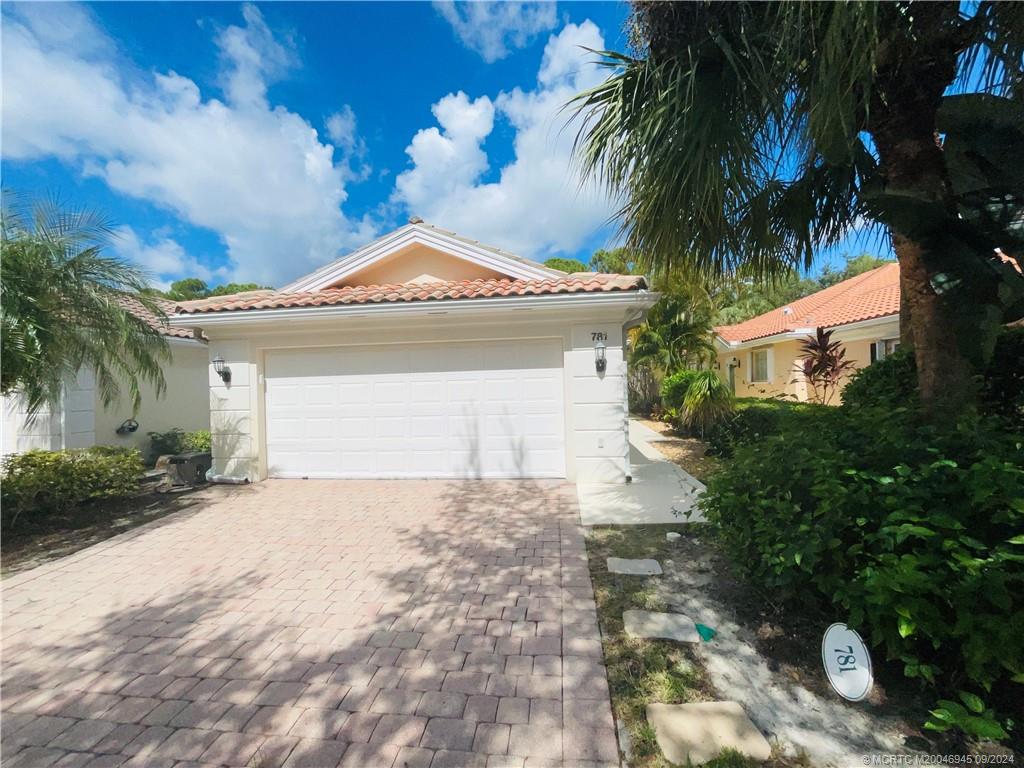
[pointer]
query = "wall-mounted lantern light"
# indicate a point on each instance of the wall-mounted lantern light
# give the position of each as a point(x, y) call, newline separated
point(599, 359)
point(222, 370)
point(734, 363)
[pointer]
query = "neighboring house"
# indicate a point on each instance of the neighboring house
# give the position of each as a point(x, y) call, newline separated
point(80, 420)
point(761, 357)
point(423, 354)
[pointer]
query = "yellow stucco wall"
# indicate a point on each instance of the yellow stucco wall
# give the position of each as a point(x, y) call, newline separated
point(783, 374)
point(419, 264)
point(785, 377)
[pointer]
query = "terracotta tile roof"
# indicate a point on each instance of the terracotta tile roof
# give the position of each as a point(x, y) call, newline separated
point(459, 290)
point(133, 305)
point(864, 297)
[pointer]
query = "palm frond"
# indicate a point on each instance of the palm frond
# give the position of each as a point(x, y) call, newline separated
point(62, 307)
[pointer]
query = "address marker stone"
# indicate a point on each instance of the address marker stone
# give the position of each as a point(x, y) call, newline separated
point(634, 567)
point(697, 733)
point(670, 626)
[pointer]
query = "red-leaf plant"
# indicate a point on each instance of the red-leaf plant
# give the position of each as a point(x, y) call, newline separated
point(824, 364)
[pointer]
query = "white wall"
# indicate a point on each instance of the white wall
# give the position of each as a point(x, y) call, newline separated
point(80, 420)
point(596, 415)
point(184, 404)
point(67, 424)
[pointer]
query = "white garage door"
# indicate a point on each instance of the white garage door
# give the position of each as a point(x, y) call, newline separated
point(475, 409)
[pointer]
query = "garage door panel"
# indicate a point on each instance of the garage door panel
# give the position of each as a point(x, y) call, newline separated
point(422, 427)
point(390, 426)
point(426, 410)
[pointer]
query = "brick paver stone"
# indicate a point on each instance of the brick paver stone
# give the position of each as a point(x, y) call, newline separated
point(416, 624)
point(316, 753)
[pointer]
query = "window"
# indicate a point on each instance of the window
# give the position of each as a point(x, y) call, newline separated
point(759, 365)
point(883, 348)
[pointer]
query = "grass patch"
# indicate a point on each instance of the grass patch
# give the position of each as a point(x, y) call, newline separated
point(641, 672)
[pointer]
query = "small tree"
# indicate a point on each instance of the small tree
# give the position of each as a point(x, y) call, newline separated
point(824, 365)
point(62, 308)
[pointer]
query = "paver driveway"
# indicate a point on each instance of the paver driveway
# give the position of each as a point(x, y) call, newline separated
point(317, 623)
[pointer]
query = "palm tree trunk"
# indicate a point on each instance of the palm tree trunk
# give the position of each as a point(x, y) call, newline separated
point(944, 374)
point(914, 168)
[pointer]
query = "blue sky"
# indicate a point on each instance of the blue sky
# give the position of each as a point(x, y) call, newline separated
point(255, 142)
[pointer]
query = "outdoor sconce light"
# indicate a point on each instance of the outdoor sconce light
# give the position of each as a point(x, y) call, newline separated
point(222, 370)
point(600, 363)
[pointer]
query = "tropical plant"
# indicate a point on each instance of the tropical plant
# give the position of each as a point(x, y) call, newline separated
point(566, 265)
point(708, 401)
point(824, 365)
point(677, 331)
point(675, 387)
point(62, 308)
point(744, 136)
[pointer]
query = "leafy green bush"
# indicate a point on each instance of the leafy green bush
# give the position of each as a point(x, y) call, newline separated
point(674, 388)
point(914, 532)
point(708, 401)
point(46, 482)
point(753, 419)
point(889, 382)
point(1002, 388)
point(177, 440)
point(892, 381)
point(196, 442)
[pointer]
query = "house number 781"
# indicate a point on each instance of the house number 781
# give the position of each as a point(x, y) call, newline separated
point(846, 660)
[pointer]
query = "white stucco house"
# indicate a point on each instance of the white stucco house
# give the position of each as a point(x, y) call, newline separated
point(422, 354)
point(80, 420)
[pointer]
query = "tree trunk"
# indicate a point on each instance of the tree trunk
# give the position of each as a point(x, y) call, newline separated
point(945, 377)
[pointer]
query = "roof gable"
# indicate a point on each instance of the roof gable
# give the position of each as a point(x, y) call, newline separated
point(870, 295)
point(415, 241)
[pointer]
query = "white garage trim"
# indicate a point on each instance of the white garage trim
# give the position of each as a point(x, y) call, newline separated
point(428, 409)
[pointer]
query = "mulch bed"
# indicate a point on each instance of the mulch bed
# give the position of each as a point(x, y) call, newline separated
point(687, 452)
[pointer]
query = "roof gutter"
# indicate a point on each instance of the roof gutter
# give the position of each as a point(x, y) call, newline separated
point(639, 299)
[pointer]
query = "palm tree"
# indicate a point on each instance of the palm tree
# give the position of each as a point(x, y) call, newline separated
point(677, 330)
point(62, 308)
point(743, 136)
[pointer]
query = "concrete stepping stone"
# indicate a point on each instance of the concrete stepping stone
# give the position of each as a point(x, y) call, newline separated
point(696, 733)
point(634, 567)
point(670, 626)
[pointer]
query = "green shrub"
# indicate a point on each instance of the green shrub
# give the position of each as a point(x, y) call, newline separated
point(708, 401)
point(197, 442)
point(674, 387)
point(44, 482)
point(177, 440)
point(1002, 388)
point(892, 382)
point(165, 443)
point(889, 382)
point(754, 419)
point(912, 532)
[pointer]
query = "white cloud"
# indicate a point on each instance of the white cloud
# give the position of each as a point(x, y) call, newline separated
point(537, 207)
point(163, 259)
point(256, 174)
point(491, 28)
